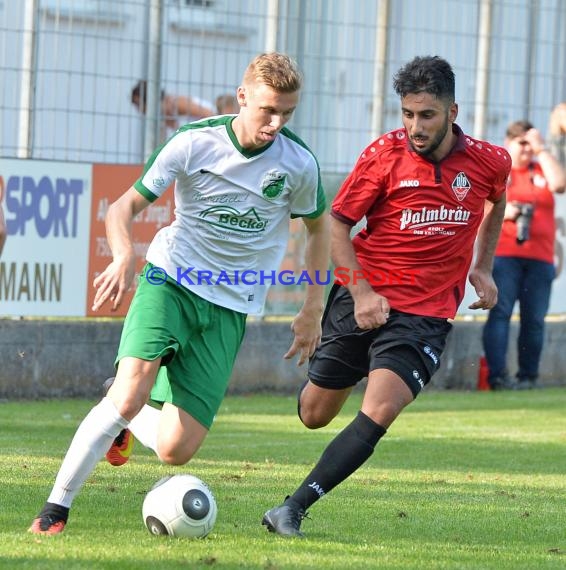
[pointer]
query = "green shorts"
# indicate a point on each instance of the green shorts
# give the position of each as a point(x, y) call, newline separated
point(196, 340)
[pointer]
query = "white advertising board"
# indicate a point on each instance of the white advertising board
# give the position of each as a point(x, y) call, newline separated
point(43, 268)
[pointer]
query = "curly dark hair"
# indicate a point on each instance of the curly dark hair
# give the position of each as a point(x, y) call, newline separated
point(428, 74)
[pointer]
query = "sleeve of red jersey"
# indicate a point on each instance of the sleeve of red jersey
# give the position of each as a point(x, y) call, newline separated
point(360, 190)
point(501, 176)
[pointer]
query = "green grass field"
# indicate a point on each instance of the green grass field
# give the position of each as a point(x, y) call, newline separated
point(462, 480)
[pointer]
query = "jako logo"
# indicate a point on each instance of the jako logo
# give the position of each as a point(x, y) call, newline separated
point(230, 218)
point(52, 205)
point(317, 489)
point(409, 184)
point(431, 353)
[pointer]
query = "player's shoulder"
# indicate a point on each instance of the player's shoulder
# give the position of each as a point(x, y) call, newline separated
point(293, 145)
point(388, 145)
point(486, 154)
point(204, 125)
point(287, 136)
point(204, 132)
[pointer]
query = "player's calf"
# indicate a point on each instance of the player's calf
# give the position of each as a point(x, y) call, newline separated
point(123, 445)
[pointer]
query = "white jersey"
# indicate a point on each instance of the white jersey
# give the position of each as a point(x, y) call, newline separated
point(232, 209)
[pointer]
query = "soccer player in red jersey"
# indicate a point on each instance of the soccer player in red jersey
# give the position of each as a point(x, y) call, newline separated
point(427, 192)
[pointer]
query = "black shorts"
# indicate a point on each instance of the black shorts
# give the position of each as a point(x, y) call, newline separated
point(409, 345)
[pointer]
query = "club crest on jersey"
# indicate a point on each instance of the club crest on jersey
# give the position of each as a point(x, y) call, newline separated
point(272, 184)
point(461, 186)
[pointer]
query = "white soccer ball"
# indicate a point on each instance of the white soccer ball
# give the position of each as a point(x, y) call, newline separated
point(179, 505)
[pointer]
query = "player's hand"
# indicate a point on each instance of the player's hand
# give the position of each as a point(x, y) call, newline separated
point(306, 327)
point(371, 310)
point(485, 288)
point(534, 138)
point(512, 211)
point(113, 282)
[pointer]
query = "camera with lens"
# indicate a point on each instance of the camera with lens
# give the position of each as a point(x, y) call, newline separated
point(523, 220)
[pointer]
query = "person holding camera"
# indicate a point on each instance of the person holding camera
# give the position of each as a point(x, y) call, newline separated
point(524, 259)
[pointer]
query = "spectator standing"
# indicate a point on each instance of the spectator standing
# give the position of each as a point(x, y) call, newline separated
point(524, 258)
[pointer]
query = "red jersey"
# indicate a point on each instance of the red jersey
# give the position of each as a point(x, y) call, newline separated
point(529, 186)
point(422, 218)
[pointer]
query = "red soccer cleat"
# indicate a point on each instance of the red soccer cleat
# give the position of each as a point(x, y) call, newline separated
point(121, 448)
point(47, 524)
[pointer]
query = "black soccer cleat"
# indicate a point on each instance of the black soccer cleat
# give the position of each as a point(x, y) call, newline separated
point(285, 520)
point(51, 520)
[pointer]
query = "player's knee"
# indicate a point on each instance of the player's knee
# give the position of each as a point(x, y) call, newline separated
point(173, 458)
point(128, 408)
point(313, 418)
point(386, 412)
point(312, 414)
point(174, 455)
point(299, 396)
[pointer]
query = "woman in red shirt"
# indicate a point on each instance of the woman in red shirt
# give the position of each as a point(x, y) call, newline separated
point(524, 258)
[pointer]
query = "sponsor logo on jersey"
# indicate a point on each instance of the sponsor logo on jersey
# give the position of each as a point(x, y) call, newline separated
point(229, 218)
point(409, 184)
point(228, 198)
point(423, 217)
point(159, 182)
point(461, 186)
point(272, 184)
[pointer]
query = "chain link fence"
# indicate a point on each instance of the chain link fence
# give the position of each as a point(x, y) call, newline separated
point(68, 66)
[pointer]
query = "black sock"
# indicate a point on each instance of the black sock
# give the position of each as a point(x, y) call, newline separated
point(344, 454)
point(62, 513)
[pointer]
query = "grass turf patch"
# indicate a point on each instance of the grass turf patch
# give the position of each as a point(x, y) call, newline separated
point(462, 480)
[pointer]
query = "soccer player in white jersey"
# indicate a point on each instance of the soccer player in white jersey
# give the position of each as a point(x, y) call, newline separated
point(237, 182)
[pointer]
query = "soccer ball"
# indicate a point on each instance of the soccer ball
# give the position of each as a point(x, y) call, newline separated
point(179, 505)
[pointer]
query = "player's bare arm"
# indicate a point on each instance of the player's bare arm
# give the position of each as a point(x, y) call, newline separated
point(114, 281)
point(306, 325)
point(481, 272)
point(371, 309)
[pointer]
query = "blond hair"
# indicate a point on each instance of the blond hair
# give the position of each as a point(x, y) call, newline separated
point(276, 70)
